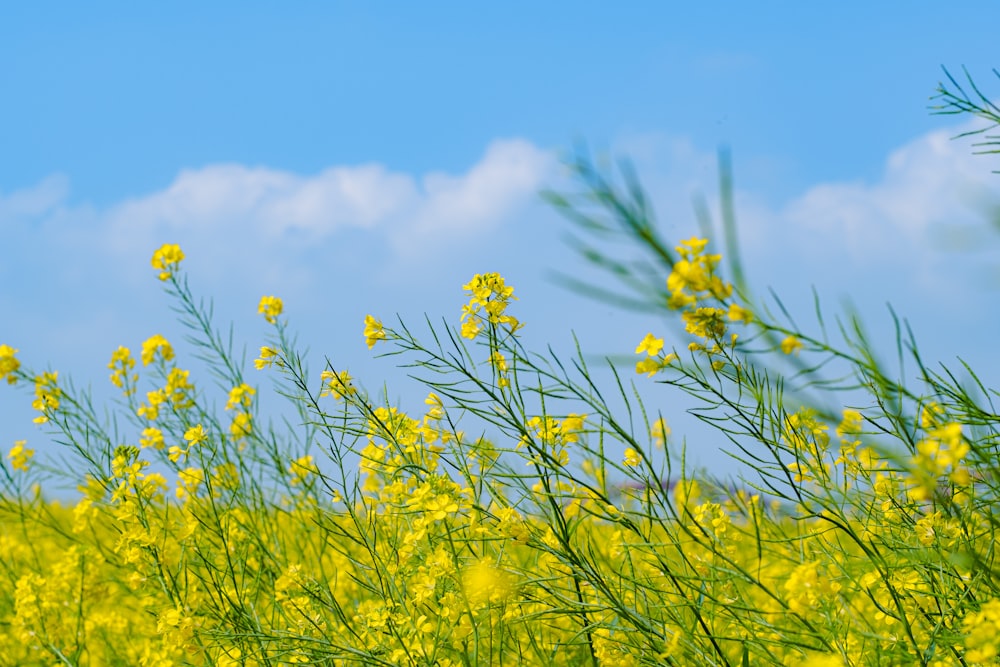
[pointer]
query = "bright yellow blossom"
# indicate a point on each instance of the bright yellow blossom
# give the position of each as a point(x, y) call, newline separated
point(632, 458)
point(8, 364)
point(155, 399)
point(484, 582)
point(791, 344)
point(708, 323)
point(270, 307)
point(179, 391)
point(166, 259)
point(20, 456)
point(121, 365)
point(374, 331)
point(195, 435)
point(651, 345)
point(268, 355)
point(652, 365)
point(982, 633)
point(240, 395)
point(436, 410)
point(489, 294)
point(151, 437)
point(47, 395)
point(738, 313)
point(156, 345)
point(693, 279)
point(649, 366)
point(337, 384)
point(850, 424)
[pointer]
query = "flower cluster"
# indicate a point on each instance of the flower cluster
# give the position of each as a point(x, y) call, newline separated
point(693, 278)
point(940, 454)
point(121, 366)
point(47, 396)
point(655, 359)
point(20, 455)
point(489, 297)
point(337, 384)
point(270, 307)
point(156, 346)
point(700, 293)
point(8, 364)
point(166, 259)
point(702, 296)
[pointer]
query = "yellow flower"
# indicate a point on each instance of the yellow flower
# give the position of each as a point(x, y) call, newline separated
point(686, 492)
point(471, 328)
point(650, 345)
point(693, 278)
point(337, 384)
point(240, 395)
point(738, 313)
point(649, 366)
point(178, 389)
point(166, 259)
point(632, 458)
point(499, 361)
point(8, 364)
point(373, 331)
point(436, 410)
point(705, 322)
point(791, 344)
point(20, 456)
point(693, 247)
point(152, 411)
point(121, 364)
point(267, 358)
point(152, 346)
point(151, 437)
point(981, 629)
point(195, 435)
point(489, 294)
point(47, 395)
point(270, 307)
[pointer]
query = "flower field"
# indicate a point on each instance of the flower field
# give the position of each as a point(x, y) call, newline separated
point(519, 518)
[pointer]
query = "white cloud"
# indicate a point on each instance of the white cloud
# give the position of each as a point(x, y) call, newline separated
point(256, 216)
point(243, 216)
point(510, 173)
point(36, 201)
point(930, 181)
point(933, 181)
point(267, 203)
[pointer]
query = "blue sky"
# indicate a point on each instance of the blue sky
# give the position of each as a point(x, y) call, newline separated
point(357, 158)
